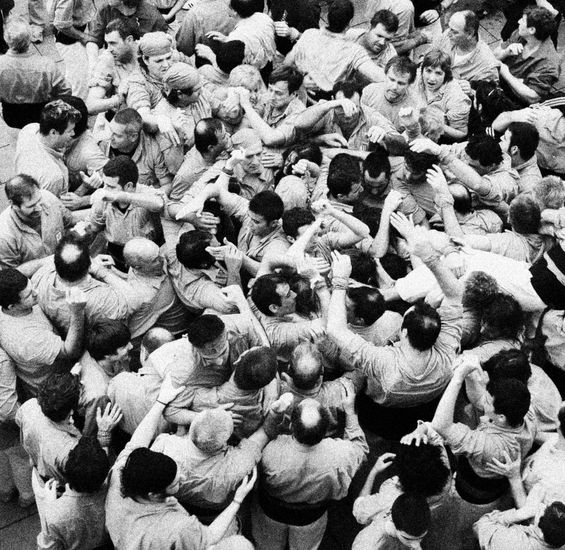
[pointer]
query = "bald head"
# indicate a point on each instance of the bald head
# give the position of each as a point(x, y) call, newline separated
point(306, 368)
point(154, 338)
point(310, 422)
point(462, 202)
point(72, 259)
point(140, 252)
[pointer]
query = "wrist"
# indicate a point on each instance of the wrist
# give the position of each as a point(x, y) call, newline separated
point(165, 405)
point(340, 282)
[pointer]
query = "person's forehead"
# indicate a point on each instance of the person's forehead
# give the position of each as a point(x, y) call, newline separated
point(117, 128)
point(158, 58)
point(34, 199)
point(355, 97)
point(380, 30)
point(457, 22)
point(253, 149)
point(279, 86)
point(110, 180)
point(394, 74)
point(283, 289)
point(113, 36)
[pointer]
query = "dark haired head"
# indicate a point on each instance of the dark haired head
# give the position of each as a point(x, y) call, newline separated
point(77, 103)
point(395, 266)
point(348, 87)
point(124, 27)
point(363, 267)
point(268, 205)
point(525, 137)
point(367, 213)
point(418, 164)
point(479, 290)
point(524, 214)
point(377, 162)
point(423, 324)
point(131, 119)
point(502, 318)
point(484, 149)
point(310, 421)
point(340, 14)
point(411, 515)
point(412, 460)
point(205, 329)
point(72, 259)
point(191, 249)
point(87, 466)
point(287, 74)
point(57, 115)
point(511, 398)
point(304, 150)
point(147, 472)
point(491, 101)
point(462, 200)
point(123, 168)
point(542, 20)
point(264, 292)
point(246, 8)
point(12, 282)
point(552, 524)
point(229, 55)
point(255, 368)
point(294, 219)
point(58, 396)
point(402, 65)
point(387, 19)
point(343, 172)
point(105, 337)
point(438, 59)
point(509, 363)
point(205, 134)
point(368, 304)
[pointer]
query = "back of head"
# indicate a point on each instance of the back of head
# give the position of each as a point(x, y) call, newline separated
point(542, 20)
point(411, 515)
point(211, 430)
point(123, 168)
point(147, 472)
point(72, 259)
point(154, 338)
point(349, 87)
point(268, 205)
point(87, 466)
point(412, 461)
point(246, 8)
point(485, 149)
point(340, 14)
point(205, 134)
point(140, 252)
point(550, 193)
point(20, 188)
point(369, 214)
point(131, 119)
point(255, 368)
point(310, 422)
point(205, 329)
point(306, 366)
point(124, 27)
point(57, 115)
point(524, 214)
point(58, 396)
point(387, 19)
point(12, 282)
point(509, 363)
point(402, 65)
point(368, 303)
point(105, 337)
point(285, 73)
point(479, 290)
point(525, 136)
point(423, 324)
point(77, 103)
point(491, 101)
point(462, 200)
point(552, 524)
point(264, 292)
point(229, 55)
point(511, 398)
point(343, 172)
point(294, 219)
point(247, 76)
point(471, 23)
point(191, 249)
point(502, 318)
point(363, 267)
point(17, 34)
point(419, 163)
point(377, 162)
point(432, 122)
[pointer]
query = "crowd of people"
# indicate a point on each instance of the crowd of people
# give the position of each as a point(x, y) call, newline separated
point(248, 250)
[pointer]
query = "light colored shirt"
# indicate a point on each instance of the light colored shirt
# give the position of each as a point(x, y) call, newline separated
point(373, 96)
point(84, 155)
point(394, 381)
point(20, 243)
point(550, 124)
point(47, 443)
point(209, 480)
point(102, 301)
point(489, 441)
point(45, 165)
point(75, 521)
point(203, 17)
point(530, 175)
point(30, 78)
point(480, 222)
point(296, 473)
point(493, 535)
point(381, 58)
point(133, 525)
point(523, 248)
point(33, 344)
point(257, 32)
point(8, 395)
point(326, 57)
point(67, 14)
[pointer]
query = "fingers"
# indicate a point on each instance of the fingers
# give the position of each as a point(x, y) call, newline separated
point(237, 419)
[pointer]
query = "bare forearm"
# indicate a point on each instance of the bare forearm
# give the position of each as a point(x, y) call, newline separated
point(271, 137)
point(308, 118)
point(217, 529)
point(153, 203)
point(29, 268)
point(445, 278)
point(519, 88)
point(518, 492)
point(382, 239)
point(337, 315)
point(465, 174)
point(443, 417)
point(145, 432)
point(357, 226)
point(72, 347)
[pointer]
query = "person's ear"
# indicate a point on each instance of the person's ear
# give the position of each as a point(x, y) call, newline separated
point(129, 39)
point(273, 308)
point(513, 150)
point(129, 187)
point(290, 239)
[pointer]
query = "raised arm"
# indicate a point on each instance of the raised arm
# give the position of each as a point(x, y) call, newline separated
point(381, 241)
point(73, 344)
point(149, 201)
point(307, 119)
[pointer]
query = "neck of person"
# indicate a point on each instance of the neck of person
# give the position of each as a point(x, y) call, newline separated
point(60, 283)
point(129, 148)
point(532, 43)
point(46, 141)
point(468, 46)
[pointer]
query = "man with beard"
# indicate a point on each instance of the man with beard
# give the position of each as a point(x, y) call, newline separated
point(114, 65)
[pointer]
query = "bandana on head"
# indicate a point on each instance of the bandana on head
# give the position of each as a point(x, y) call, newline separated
point(155, 43)
point(181, 76)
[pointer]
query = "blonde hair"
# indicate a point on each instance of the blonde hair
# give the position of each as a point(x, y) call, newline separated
point(17, 34)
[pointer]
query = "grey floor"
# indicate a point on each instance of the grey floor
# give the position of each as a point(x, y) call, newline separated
point(18, 527)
